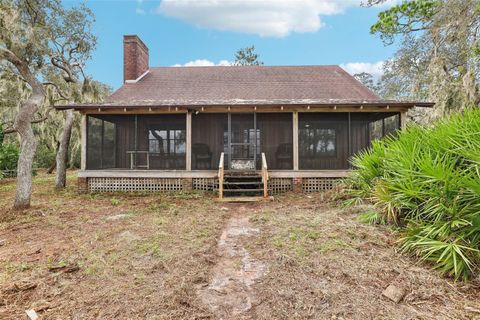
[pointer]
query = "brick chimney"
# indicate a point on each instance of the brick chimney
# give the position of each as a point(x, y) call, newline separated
point(135, 58)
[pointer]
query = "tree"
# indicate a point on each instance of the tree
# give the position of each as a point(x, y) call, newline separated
point(49, 127)
point(439, 56)
point(247, 57)
point(80, 92)
point(367, 80)
point(72, 43)
point(31, 32)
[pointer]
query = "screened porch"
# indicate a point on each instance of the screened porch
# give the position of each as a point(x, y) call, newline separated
point(194, 141)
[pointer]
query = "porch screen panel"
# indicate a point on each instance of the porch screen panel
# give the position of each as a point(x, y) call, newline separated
point(383, 124)
point(366, 127)
point(323, 141)
point(94, 143)
point(125, 135)
point(161, 142)
point(276, 140)
point(108, 136)
point(392, 124)
point(209, 139)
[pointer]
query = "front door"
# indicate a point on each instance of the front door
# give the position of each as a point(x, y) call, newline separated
point(243, 137)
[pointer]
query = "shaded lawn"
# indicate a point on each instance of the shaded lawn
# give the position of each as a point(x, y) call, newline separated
point(145, 256)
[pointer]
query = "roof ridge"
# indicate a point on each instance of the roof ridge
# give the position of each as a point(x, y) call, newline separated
point(253, 66)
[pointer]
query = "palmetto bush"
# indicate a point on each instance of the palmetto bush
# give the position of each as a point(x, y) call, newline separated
point(427, 181)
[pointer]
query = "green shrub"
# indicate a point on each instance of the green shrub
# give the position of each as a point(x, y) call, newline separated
point(44, 157)
point(372, 217)
point(428, 181)
point(8, 159)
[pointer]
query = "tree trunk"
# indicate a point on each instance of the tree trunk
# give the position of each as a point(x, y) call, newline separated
point(28, 147)
point(23, 126)
point(54, 163)
point(62, 154)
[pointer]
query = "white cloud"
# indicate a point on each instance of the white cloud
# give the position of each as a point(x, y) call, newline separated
point(276, 18)
point(140, 11)
point(203, 63)
point(375, 68)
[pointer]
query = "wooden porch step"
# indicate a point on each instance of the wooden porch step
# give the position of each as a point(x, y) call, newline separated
point(245, 199)
point(242, 190)
point(242, 174)
point(242, 178)
point(232, 183)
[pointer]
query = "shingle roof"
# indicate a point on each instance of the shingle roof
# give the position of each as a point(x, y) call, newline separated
point(242, 85)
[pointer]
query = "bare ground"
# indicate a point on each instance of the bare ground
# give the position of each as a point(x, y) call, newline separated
point(185, 256)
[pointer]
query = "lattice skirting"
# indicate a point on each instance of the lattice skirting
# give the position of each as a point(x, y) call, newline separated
point(280, 185)
point(205, 184)
point(319, 184)
point(134, 184)
point(276, 185)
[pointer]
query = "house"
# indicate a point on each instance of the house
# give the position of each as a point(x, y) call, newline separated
point(276, 127)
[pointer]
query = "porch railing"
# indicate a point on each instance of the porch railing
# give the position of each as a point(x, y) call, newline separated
point(221, 173)
point(264, 175)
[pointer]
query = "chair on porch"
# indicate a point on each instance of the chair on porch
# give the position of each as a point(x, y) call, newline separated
point(202, 156)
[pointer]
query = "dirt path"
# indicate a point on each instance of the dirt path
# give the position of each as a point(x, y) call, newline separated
point(229, 292)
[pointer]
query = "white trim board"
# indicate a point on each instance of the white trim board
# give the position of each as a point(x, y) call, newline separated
point(138, 79)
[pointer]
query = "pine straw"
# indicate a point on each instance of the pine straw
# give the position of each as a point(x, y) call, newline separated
point(144, 257)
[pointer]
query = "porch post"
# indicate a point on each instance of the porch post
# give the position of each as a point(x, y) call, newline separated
point(295, 140)
point(403, 120)
point(188, 147)
point(83, 143)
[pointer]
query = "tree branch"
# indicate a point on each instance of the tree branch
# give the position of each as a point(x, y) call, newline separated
point(45, 117)
point(22, 68)
point(69, 76)
point(58, 91)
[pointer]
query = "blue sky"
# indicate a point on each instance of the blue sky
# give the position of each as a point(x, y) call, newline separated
point(284, 32)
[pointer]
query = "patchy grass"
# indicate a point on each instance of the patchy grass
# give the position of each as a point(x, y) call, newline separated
point(145, 256)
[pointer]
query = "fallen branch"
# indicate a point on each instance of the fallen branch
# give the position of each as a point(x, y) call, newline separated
point(20, 287)
point(65, 269)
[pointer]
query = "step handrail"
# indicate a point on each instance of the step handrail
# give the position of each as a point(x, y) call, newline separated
point(264, 175)
point(221, 175)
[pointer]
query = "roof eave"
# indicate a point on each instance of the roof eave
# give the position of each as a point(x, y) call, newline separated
point(405, 104)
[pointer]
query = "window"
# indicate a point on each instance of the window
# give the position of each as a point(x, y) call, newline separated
point(161, 142)
point(323, 141)
point(318, 142)
point(166, 142)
